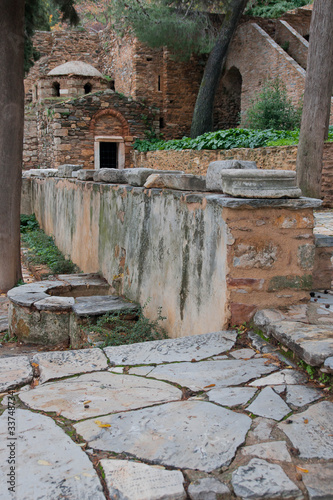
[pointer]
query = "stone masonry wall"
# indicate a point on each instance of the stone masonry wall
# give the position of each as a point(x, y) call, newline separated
point(208, 260)
point(66, 130)
point(297, 45)
point(196, 162)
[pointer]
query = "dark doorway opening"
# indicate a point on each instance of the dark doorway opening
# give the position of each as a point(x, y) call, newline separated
point(108, 155)
point(87, 88)
point(56, 89)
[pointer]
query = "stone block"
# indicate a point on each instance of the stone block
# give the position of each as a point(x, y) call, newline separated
point(182, 182)
point(291, 281)
point(67, 170)
point(213, 177)
point(241, 313)
point(306, 256)
point(14, 371)
point(250, 183)
point(261, 256)
point(86, 174)
point(208, 488)
point(110, 175)
point(138, 176)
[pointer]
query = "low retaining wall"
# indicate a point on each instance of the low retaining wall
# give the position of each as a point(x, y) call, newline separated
point(208, 260)
point(270, 158)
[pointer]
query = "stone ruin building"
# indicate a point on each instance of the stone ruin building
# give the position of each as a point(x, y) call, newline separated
point(91, 95)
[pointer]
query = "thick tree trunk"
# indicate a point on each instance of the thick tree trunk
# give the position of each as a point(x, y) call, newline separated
point(317, 99)
point(11, 139)
point(202, 120)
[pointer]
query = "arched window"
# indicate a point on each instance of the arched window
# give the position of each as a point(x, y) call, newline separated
point(56, 89)
point(87, 88)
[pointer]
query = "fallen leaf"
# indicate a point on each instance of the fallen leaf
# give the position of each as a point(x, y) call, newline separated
point(210, 385)
point(100, 424)
point(306, 421)
point(43, 462)
point(36, 365)
point(59, 413)
point(86, 402)
point(301, 469)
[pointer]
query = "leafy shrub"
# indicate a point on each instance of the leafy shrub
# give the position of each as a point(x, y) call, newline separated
point(117, 330)
point(226, 139)
point(272, 108)
point(274, 8)
point(28, 223)
point(42, 249)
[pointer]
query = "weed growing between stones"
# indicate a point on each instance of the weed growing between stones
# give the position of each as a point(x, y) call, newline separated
point(42, 249)
point(116, 329)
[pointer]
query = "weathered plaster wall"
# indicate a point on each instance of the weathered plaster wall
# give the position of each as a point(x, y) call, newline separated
point(208, 260)
point(153, 245)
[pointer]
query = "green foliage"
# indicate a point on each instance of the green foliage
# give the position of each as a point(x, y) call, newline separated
point(117, 330)
point(274, 8)
point(311, 370)
point(177, 25)
point(28, 223)
point(272, 108)
point(221, 139)
point(42, 249)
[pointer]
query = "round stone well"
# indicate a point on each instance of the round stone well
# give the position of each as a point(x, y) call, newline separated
point(52, 312)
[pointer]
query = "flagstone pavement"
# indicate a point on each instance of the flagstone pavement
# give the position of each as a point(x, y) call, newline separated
point(201, 417)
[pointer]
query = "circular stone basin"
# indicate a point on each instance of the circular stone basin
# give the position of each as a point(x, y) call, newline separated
point(53, 312)
point(251, 183)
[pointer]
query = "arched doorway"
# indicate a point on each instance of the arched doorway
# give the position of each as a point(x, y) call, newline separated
point(227, 106)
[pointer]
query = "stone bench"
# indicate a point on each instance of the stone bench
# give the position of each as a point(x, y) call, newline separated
point(53, 312)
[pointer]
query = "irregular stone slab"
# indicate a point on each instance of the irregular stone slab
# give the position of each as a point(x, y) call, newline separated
point(312, 431)
point(231, 396)
point(14, 371)
point(101, 304)
point(39, 172)
point(169, 350)
point(261, 430)
point(26, 295)
point(67, 170)
point(282, 377)
point(268, 404)
point(105, 391)
point(55, 303)
point(213, 176)
point(49, 465)
point(90, 280)
point(182, 182)
point(243, 354)
point(260, 183)
point(58, 364)
point(318, 481)
point(110, 175)
point(86, 174)
point(222, 373)
point(184, 434)
point(328, 365)
point(259, 479)
point(293, 203)
point(298, 395)
point(312, 343)
point(208, 488)
point(274, 450)
point(138, 176)
point(135, 481)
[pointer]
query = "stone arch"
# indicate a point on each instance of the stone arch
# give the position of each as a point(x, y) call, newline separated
point(227, 106)
point(110, 117)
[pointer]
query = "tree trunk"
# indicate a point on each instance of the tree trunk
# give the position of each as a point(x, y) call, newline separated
point(202, 120)
point(317, 99)
point(11, 139)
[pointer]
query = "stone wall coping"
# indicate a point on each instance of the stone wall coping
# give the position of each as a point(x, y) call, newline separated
point(323, 241)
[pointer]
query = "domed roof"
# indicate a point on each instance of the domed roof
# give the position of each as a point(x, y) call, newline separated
point(75, 68)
